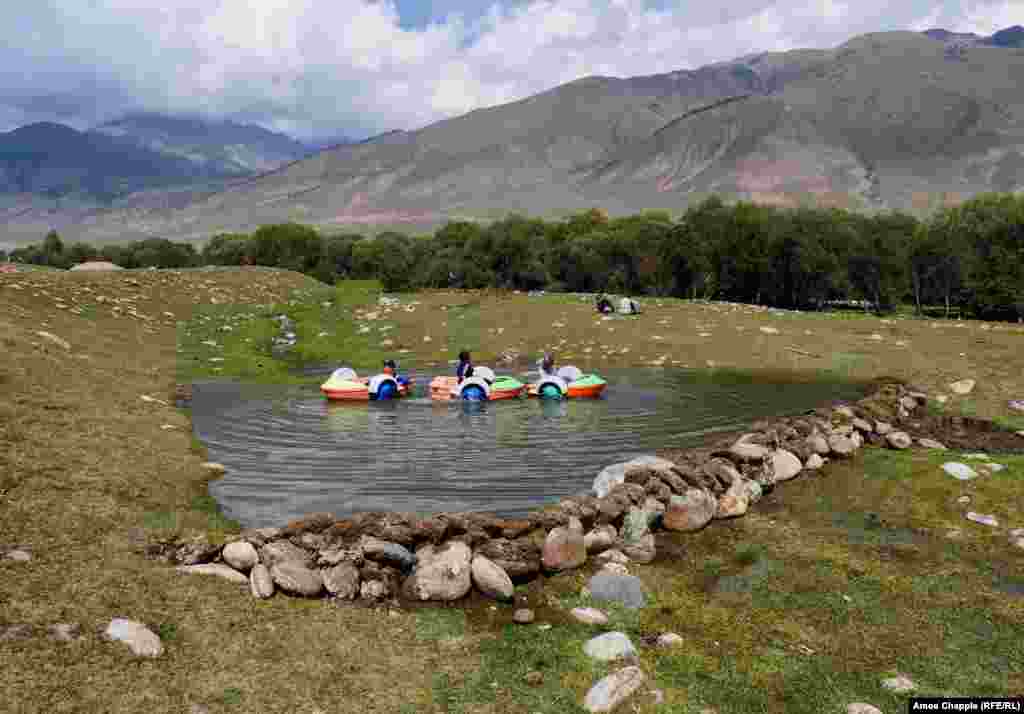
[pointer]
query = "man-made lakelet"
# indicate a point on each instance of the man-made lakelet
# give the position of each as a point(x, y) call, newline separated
point(288, 452)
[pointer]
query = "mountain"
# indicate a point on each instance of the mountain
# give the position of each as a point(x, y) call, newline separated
point(223, 148)
point(886, 120)
point(1012, 37)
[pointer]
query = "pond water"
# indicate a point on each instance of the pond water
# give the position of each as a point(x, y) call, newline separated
point(289, 452)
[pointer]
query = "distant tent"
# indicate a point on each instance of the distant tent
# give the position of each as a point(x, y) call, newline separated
point(97, 265)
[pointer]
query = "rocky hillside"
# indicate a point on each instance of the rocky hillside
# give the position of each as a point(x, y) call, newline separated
point(886, 120)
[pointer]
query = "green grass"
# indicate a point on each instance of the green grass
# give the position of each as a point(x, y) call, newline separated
point(325, 327)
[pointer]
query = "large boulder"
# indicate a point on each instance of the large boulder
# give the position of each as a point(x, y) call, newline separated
point(342, 581)
point(899, 440)
point(240, 555)
point(141, 640)
point(386, 552)
point(519, 558)
point(691, 511)
point(609, 646)
point(490, 579)
point(295, 578)
point(818, 444)
point(600, 538)
point(442, 573)
point(626, 590)
point(610, 476)
point(841, 445)
point(564, 549)
point(261, 584)
point(613, 690)
point(282, 551)
point(785, 465)
point(744, 450)
point(218, 569)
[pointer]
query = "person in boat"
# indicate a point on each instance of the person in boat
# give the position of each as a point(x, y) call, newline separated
point(465, 368)
point(604, 305)
point(390, 368)
point(546, 365)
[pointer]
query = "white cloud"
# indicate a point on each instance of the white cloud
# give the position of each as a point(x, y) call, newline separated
point(344, 64)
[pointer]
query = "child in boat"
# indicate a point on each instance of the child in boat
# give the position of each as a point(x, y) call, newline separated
point(546, 365)
point(390, 367)
point(465, 369)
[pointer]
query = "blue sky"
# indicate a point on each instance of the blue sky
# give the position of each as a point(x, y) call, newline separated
point(358, 67)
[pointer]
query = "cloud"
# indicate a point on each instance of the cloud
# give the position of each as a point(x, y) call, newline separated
point(362, 66)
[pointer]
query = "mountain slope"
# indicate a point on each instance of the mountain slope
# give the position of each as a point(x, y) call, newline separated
point(886, 120)
point(220, 147)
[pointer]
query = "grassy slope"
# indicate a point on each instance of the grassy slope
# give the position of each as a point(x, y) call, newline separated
point(88, 473)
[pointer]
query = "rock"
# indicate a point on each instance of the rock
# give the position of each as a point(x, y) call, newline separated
point(15, 632)
point(691, 511)
point(18, 555)
point(845, 411)
point(814, 463)
point(613, 556)
point(1019, 433)
point(335, 556)
point(624, 589)
point(643, 550)
point(634, 526)
point(614, 569)
point(490, 579)
point(141, 640)
point(882, 427)
point(523, 616)
point(65, 632)
point(899, 684)
point(218, 569)
point(932, 444)
point(744, 451)
point(609, 646)
point(534, 679)
point(518, 558)
point(941, 398)
point(734, 502)
point(857, 440)
point(841, 446)
point(908, 403)
point(213, 468)
point(899, 440)
point(862, 425)
point(984, 519)
point(654, 509)
point(610, 476)
point(282, 551)
point(443, 573)
point(600, 538)
point(49, 337)
point(386, 552)
point(961, 472)
point(197, 551)
point(240, 555)
point(613, 690)
point(769, 330)
point(964, 386)
point(753, 489)
point(563, 550)
point(589, 616)
point(862, 708)
point(818, 444)
point(261, 584)
point(668, 639)
point(785, 465)
point(575, 526)
point(294, 577)
point(374, 590)
point(342, 581)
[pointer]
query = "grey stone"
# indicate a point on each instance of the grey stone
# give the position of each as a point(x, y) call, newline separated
point(342, 581)
point(442, 573)
point(634, 526)
point(600, 538)
point(841, 445)
point(932, 444)
point(261, 585)
point(295, 578)
point(959, 471)
point(589, 616)
point(374, 590)
point(282, 551)
point(141, 640)
point(862, 425)
point(691, 511)
point(611, 476)
point(745, 451)
point(523, 616)
point(814, 462)
point(899, 440)
point(240, 555)
point(624, 589)
point(899, 684)
point(563, 550)
point(218, 569)
point(609, 646)
point(491, 579)
point(613, 555)
point(65, 632)
point(643, 550)
point(18, 555)
point(883, 427)
point(608, 693)
point(386, 552)
point(845, 411)
point(669, 639)
point(818, 444)
point(785, 464)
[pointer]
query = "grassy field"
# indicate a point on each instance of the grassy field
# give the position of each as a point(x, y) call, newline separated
point(831, 584)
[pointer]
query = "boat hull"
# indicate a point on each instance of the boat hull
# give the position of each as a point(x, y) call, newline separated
point(357, 392)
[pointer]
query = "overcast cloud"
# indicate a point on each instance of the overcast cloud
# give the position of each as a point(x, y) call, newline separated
point(359, 67)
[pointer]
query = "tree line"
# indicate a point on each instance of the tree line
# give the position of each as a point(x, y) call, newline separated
point(968, 257)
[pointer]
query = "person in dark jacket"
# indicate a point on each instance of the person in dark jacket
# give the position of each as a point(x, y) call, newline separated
point(465, 368)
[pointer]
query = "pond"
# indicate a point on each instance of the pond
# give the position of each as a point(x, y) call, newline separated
point(289, 452)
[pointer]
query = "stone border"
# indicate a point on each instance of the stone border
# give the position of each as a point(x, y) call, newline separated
point(379, 555)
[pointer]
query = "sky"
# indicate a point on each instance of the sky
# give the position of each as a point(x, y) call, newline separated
point(327, 68)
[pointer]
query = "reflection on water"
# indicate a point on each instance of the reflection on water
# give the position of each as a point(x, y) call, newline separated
point(290, 452)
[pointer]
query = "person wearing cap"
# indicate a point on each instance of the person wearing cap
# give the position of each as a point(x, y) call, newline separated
point(546, 365)
point(465, 368)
